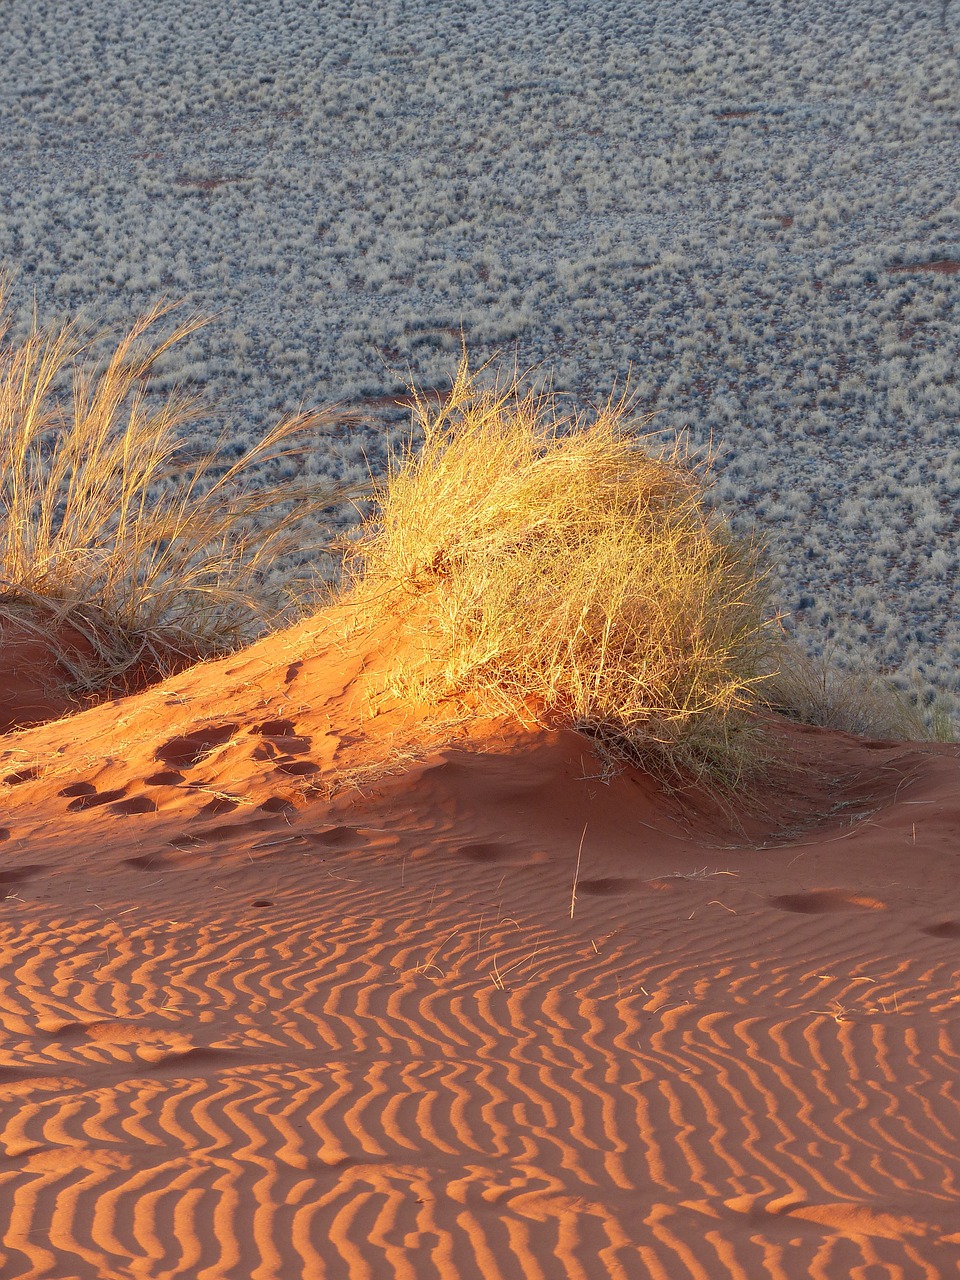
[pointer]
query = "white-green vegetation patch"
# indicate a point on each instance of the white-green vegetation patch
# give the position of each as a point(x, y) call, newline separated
point(709, 197)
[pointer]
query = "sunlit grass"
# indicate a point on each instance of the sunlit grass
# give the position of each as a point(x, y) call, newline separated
point(557, 564)
point(104, 526)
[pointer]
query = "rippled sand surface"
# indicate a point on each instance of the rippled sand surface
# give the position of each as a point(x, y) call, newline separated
point(286, 993)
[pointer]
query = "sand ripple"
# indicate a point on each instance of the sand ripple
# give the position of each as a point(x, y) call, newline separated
point(374, 1033)
point(360, 1096)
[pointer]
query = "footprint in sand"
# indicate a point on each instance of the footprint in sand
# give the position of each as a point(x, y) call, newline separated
point(157, 1047)
point(17, 875)
point(787, 1213)
point(86, 796)
point(217, 806)
point(491, 852)
point(279, 740)
point(168, 859)
point(275, 729)
point(144, 861)
point(944, 929)
point(190, 748)
point(110, 1031)
point(277, 804)
point(484, 852)
point(136, 804)
point(22, 775)
point(603, 885)
point(334, 837)
point(225, 833)
point(196, 1057)
point(816, 902)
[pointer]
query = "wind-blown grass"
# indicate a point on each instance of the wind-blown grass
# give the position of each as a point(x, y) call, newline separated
point(104, 526)
point(557, 563)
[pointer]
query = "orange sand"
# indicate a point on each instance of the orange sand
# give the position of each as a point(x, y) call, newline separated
point(260, 1022)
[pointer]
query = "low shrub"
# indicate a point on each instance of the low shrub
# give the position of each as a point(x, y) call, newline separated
point(559, 563)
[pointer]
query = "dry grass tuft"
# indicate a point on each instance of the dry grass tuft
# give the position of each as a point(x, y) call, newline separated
point(554, 563)
point(818, 691)
point(103, 528)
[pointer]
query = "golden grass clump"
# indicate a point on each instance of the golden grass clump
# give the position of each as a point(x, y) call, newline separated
point(105, 527)
point(558, 564)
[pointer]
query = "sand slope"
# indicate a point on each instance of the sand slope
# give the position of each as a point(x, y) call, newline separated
point(260, 1022)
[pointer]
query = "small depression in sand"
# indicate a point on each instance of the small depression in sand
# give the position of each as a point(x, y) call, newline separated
point(816, 902)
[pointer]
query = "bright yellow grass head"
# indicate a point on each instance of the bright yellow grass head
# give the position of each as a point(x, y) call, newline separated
point(558, 562)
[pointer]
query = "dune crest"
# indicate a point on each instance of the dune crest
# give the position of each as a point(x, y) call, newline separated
point(294, 983)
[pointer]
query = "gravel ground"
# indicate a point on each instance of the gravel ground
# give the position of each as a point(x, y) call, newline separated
point(749, 209)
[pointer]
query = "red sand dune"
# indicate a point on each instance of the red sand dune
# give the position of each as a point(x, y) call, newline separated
point(267, 1014)
point(35, 684)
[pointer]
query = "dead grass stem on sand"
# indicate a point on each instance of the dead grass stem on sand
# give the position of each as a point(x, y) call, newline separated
point(556, 563)
point(104, 528)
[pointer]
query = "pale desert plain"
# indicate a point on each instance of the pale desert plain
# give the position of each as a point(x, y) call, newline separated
point(290, 990)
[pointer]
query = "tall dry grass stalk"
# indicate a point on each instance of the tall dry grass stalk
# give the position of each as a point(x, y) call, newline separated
point(103, 526)
point(551, 561)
